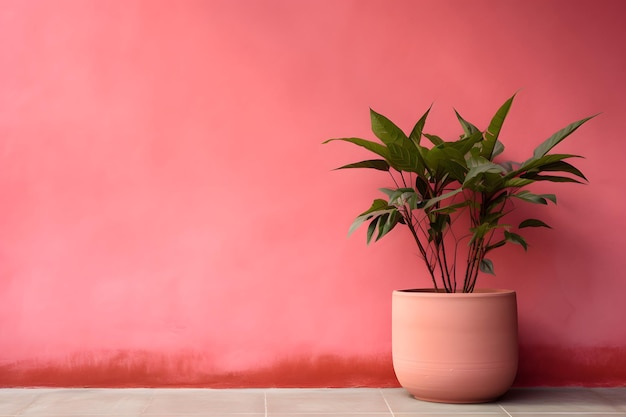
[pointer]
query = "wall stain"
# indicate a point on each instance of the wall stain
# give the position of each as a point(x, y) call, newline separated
point(143, 369)
point(539, 366)
point(580, 366)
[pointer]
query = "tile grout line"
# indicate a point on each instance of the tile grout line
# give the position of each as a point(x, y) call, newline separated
point(148, 403)
point(504, 409)
point(386, 403)
point(31, 402)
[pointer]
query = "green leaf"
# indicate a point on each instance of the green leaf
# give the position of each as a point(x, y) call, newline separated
point(497, 149)
point(402, 196)
point(556, 138)
point(434, 139)
point(452, 208)
point(517, 182)
point(550, 197)
point(562, 166)
point(534, 198)
point(416, 133)
point(492, 219)
point(551, 178)
point(447, 163)
point(493, 131)
point(533, 223)
point(537, 163)
point(495, 245)
point(378, 164)
point(486, 266)
point(431, 202)
point(497, 200)
point(405, 158)
point(375, 147)
point(466, 144)
point(468, 128)
point(515, 238)
point(480, 231)
point(386, 130)
point(387, 223)
point(378, 207)
point(481, 166)
point(422, 186)
point(371, 229)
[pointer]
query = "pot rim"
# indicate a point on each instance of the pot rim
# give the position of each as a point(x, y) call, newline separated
point(430, 292)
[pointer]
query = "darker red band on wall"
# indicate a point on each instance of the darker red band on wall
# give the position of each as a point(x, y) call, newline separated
point(539, 366)
point(142, 369)
point(556, 366)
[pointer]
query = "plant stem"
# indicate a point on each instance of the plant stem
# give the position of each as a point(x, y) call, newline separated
point(409, 222)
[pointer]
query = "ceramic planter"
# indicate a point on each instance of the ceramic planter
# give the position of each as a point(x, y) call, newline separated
point(455, 348)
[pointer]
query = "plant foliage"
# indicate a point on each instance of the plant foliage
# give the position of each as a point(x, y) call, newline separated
point(455, 191)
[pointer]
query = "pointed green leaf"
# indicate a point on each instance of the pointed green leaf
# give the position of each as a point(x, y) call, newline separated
point(536, 163)
point(375, 147)
point(386, 130)
point(533, 223)
point(423, 187)
point(387, 223)
point(434, 139)
point(378, 207)
point(495, 245)
point(551, 178)
point(452, 208)
point(378, 164)
point(493, 131)
point(515, 238)
point(486, 266)
point(497, 149)
point(416, 133)
point(466, 144)
point(401, 197)
point(371, 229)
point(431, 202)
point(550, 197)
point(468, 128)
point(405, 158)
point(556, 138)
point(517, 182)
point(481, 167)
point(530, 197)
point(562, 166)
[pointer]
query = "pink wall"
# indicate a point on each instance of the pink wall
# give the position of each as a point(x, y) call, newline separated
point(168, 215)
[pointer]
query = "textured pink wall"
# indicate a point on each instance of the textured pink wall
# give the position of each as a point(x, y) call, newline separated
point(169, 217)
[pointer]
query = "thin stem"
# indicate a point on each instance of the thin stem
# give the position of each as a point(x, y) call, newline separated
point(408, 218)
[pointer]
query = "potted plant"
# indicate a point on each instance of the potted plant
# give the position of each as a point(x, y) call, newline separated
point(455, 342)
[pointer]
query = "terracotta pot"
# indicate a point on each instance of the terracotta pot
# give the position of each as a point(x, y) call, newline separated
point(455, 348)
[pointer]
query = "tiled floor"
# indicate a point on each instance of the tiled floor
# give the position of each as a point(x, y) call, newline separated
point(355, 402)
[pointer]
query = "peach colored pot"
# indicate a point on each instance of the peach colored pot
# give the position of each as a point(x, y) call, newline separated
point(455, 348)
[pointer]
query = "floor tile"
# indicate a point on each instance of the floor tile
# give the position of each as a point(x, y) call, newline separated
point(333, 414)
point(72, 402)
point(454, 414)
point(13, 401)
point(347, 402)
point(403, 403)
point(564, 400)
point(563, 414)
point(180, 402)
point(614, 396)
point(316, 401)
